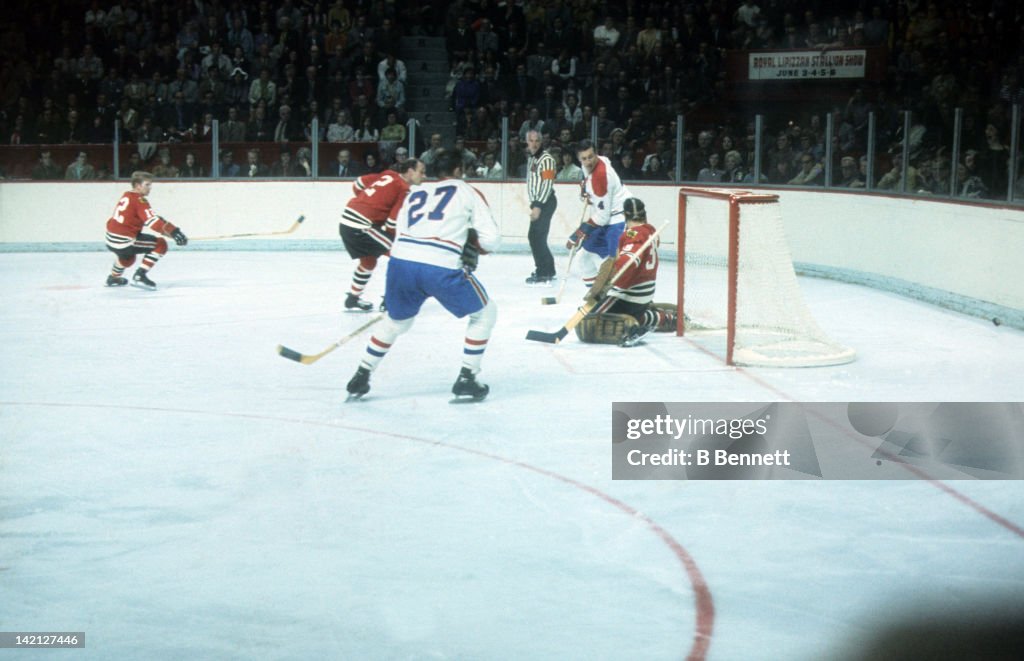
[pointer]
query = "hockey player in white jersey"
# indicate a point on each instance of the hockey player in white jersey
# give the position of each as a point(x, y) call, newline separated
point(598, 237)
point(441, 229)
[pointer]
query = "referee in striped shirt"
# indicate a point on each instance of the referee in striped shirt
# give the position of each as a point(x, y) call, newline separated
point(540, 187)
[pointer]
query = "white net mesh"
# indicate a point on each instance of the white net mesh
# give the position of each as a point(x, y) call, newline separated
point(773, 325)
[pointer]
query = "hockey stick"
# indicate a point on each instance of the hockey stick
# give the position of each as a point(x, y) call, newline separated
point(585, 309)
point(291, 229)
point(309, 359)
point(552, 300)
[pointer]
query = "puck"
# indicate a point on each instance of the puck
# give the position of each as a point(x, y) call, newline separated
point(995, 320)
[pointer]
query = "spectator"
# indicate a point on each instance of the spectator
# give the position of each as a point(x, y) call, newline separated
point(263, 89)
point(810, 173)
point(466, 94)
point(253, 168)
point(653, 170)
point(606, 35)
point(392, 62)
point(393, 131)
point(711, 172)
point(74, 132)
point(232, 130)
point(80, 169)
point(341, 129)
point(371, 163)
point(994, 163)
point(401, 156)
point(258, 128)
point(286, 129)
point(890, 181)
point(391, 92)
point(191, 168)
point(533, 122)
point(165, 169)
point(46, 168)
point(567, 168)
point(491, 168)
point(367, 132)
point(734, 171)
point(344, 166)
point(849, 175)
point(429, 155)
point(304, 161)
point(285, 166)
point(228, 167)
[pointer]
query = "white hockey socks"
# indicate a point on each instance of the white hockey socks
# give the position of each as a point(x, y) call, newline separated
point(478, 332)
point(381, 341)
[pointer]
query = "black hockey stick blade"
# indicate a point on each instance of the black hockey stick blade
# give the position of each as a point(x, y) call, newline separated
point(550, 338)
point(290, 354)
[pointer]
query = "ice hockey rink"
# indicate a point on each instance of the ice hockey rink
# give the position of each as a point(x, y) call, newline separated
point(173, 488)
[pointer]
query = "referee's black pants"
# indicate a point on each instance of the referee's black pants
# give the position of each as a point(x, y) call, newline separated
point(543, 262)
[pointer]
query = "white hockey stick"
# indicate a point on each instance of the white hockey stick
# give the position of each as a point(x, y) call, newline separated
point(552, 300)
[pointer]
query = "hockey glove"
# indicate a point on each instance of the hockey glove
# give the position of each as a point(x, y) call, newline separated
point(580, 235)
point(179, 237)
point(470, 252)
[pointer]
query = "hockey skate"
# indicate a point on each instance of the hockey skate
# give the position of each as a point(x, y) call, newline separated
point(540, 280)
point(354, 304)
point(141, 281)
point(635, 336)
point(359, 384)
point(467, 389)
point(116, 281)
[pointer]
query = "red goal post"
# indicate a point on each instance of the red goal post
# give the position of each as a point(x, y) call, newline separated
point(735, 274)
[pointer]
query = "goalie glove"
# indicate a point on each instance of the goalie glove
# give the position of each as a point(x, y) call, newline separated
point(179, 237)
point(580, 235)
point(471, 252)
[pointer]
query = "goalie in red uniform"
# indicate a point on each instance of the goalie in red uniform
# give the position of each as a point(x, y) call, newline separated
point(126, 239)
point(625, 312)
point(368, 222)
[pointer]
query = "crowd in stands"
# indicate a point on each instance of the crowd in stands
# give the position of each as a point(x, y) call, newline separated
point(266, 68)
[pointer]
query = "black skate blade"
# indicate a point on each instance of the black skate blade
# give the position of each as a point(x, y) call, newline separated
point(139, 285)
point(352, 397)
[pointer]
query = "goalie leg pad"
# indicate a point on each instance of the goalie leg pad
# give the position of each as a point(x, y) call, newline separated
point(606, 328)
point(666, 322)
point(599, 288)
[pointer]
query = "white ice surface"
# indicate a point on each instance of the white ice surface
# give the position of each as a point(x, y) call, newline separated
point(175, 489)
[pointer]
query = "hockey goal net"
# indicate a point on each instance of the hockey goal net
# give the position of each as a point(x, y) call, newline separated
point(736, 278)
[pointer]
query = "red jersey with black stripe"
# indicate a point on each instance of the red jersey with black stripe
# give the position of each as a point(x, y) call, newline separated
point(636, 284)
point(131, 215)
point(379, 197)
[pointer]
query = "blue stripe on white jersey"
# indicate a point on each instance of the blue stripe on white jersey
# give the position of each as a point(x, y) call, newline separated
point(435, 219)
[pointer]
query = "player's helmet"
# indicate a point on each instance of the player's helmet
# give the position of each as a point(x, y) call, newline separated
point(633, 209)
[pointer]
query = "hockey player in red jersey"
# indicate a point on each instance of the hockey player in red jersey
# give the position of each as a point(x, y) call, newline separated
point(126, 239)
point(626, 312)
point(368, 222)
